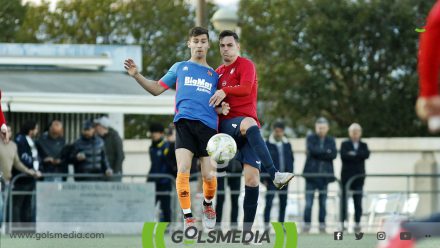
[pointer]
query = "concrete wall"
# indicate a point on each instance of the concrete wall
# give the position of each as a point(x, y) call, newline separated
point(388, 156)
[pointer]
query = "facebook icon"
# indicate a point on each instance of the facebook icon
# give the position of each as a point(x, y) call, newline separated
point(338, 235)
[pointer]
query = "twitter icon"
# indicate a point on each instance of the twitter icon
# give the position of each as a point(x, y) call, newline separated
point(359, 236)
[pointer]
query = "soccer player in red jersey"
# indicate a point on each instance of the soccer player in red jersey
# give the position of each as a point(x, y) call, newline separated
point(3, 129)
point(238, 86)
point(405, 234)
point(428, 104)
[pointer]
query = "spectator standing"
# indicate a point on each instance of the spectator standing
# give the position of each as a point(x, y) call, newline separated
point(113, 146)
point(159, 150)
point(50, 146)
point(9, 159)
point(24, 205)
point(88, 154)
point(282, 155)
point(321, 151)
point(354, 152)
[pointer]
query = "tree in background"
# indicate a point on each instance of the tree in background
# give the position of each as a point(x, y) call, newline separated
point(345, 60)
point(159, 27)
point(12, 13)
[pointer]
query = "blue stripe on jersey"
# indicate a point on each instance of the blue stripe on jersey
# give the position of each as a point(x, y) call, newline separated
point(195, 84)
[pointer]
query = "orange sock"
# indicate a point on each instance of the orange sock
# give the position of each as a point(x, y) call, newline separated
point(209, 188)
point(183, 190)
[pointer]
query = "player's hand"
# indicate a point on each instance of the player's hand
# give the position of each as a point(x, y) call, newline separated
point(217, 98)
point(131, 67)
point(428, 109)
point(225, 108)
point(4, 134)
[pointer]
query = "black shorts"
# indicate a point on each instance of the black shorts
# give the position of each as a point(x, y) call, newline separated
point(194, 136)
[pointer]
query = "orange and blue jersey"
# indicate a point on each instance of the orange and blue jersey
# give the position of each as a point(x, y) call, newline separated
point(195, 84)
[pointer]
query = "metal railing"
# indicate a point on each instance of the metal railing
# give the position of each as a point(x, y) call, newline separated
point(407, 192)
point(294, 189)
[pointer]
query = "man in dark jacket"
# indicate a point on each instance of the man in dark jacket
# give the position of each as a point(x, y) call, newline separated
point(88, 154)
point(354, 152)
point(159, 151)
point(50, 146)
point(24, 205)
point(113, 146)
point(281, 152)
point(321, 151)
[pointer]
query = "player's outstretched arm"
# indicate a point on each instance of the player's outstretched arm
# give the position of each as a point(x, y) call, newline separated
point(153, 87)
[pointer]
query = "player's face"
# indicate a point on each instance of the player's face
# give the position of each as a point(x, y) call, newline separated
point(199, 46)
point(321, 129)
point(229, 49)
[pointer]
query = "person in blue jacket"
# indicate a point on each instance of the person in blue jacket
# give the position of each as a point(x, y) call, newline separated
point(321, 151)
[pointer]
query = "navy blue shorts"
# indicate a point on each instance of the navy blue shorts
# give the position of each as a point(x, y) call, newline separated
point(245, 153)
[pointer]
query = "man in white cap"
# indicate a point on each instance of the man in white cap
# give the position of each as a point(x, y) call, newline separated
point(112, 145)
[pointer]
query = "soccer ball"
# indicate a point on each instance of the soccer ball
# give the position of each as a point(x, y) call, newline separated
point(221, 147)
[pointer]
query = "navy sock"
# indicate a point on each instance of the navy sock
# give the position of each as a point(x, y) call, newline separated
point(257, 143)
point(250, 204)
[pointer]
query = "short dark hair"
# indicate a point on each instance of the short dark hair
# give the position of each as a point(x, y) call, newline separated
point(279, 124)
point(196, 31)
point(225, 33)
point(156, 128)
point(27, 127)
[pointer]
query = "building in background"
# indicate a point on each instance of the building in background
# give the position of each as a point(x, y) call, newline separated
point(73, 83)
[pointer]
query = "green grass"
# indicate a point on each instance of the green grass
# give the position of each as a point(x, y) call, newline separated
point(118, 241)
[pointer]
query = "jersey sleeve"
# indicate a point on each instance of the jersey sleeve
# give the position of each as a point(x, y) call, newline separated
point(429, 55)
point(170, 78)
point(247, 80)
point(247, 73)
point(2, 117)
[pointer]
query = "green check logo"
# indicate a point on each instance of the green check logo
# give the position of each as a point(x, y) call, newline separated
point(153, 235)
point(291, 234)
point(148, 234)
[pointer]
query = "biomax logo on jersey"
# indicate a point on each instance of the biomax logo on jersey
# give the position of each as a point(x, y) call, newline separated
point(200, 83)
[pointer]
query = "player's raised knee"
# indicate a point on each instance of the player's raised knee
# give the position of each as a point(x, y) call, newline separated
point(247, 123)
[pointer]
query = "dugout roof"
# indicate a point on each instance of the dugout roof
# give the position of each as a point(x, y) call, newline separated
point(79, 92)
